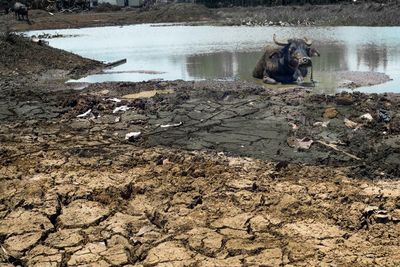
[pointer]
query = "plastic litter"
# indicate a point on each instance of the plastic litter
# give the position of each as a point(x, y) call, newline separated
point(132, 136)
point(87, 113)
point(171, 125)
point(121, 108)
point(367, 117)
point(383, 115)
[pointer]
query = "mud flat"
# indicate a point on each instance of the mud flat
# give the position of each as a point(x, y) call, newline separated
point(215, 174)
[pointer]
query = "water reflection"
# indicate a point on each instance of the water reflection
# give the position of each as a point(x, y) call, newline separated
point(205, 52)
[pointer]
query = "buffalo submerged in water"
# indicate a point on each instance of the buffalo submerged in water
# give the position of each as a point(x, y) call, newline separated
point(287, 64)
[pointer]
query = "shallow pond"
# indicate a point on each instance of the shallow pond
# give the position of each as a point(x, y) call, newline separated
point(212, 52)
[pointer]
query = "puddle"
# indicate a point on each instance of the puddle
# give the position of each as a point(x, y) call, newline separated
point(183, 52)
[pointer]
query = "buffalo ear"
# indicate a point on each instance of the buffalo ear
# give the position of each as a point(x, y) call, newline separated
point(314, 53)
point(275, 54)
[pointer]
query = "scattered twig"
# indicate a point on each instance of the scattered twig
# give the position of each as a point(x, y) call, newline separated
point(334, 147)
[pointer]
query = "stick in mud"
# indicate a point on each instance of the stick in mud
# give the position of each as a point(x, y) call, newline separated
point(116, 63)
point(334, 147)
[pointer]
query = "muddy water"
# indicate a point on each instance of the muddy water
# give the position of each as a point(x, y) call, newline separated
point(229, 53)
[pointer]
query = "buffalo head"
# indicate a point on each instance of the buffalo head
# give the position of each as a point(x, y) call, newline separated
point(296, 52)
point(285, 64)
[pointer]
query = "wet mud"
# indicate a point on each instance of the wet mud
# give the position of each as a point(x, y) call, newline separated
point(210, 174)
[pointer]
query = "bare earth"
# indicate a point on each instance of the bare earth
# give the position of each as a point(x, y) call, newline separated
point(255, 177)
point(362, 14)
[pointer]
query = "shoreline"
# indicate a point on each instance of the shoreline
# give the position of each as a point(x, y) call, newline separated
point(318, 15)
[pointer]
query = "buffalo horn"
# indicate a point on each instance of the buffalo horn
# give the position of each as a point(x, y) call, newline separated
point(308, 42)
point(280, 43)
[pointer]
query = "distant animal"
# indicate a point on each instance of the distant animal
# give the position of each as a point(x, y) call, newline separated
point(287, 64)
point(21, 11)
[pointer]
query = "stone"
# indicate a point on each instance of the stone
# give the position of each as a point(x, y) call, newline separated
point(82, 213)
point(330, 113)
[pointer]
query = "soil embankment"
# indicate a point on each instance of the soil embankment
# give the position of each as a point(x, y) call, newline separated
point(371, 14)
point(74, 191)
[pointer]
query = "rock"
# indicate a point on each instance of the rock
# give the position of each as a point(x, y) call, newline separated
point(344, 100)
point(82, 213)
point(168, 252)
point(268, 257)
point(330, 113)
point(370, 209)
point(381, 218)
point(351, 124)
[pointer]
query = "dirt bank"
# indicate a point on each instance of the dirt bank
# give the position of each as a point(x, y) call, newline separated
point(76, 190)
point(372, 14)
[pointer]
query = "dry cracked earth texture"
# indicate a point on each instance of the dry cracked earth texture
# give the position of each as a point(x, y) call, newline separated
point(74, 192)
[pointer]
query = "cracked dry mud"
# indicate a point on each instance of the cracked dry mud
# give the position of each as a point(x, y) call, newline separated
point(74, 192)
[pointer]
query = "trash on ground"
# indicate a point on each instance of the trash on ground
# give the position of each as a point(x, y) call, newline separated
point(171, 125)
point(87, 113)
point(334, 147)
point(322, 123)
point(121, 108)
point(351, 124)
point(304, 143)
point(116, 100)
point(132, 136)
point(117, 119)
point(383, 115)
point(367, 117)
point(294, 126)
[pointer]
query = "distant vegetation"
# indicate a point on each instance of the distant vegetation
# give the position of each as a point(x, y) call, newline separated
point(227, 3)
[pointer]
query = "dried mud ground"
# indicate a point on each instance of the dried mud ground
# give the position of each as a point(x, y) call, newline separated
point(221, 174)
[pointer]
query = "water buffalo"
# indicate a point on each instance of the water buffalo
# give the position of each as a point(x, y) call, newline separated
point(287, 64)
point(21, 11)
